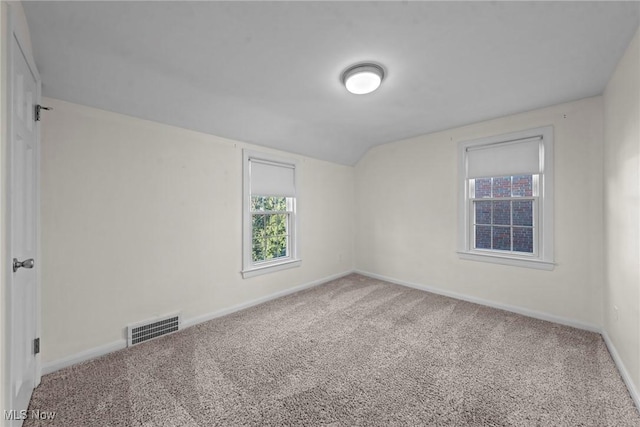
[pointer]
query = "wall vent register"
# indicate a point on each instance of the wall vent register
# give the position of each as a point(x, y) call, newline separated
point(150, 329)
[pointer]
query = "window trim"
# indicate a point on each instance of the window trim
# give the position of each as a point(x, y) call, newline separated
point(535, 199)
point(545, 257)
point(250, 268)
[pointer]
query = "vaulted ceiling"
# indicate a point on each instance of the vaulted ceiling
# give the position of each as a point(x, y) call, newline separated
point(268, 73)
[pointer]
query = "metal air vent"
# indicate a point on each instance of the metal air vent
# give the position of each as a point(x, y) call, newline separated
point(146, 330)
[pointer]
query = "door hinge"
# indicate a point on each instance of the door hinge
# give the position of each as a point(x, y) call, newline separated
point(40, 108)
point(36, 346)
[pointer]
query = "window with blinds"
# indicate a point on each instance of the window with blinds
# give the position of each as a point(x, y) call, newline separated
point(506, 199)
point(269, 214)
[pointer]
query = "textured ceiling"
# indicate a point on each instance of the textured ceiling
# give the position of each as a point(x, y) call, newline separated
point(268, 73)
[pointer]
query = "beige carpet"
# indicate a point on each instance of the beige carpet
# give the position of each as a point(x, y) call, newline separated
point(356, 351)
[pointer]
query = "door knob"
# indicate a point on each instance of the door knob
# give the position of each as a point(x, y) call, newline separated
point(27, 263)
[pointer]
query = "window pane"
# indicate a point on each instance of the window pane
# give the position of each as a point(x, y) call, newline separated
point(268, 203)
point(270, 231)
point(483, 237)
point(277, 203)
point(258, 249)
point(523, 239)
point(257, 226)
point(276, 224)
point(483, 188)
point(502, 212)
point(502, 187)
point(502, 238)
point(277, 247)
point(522, 186)
point(523, 212)
point(483, 212)
point(257, 203)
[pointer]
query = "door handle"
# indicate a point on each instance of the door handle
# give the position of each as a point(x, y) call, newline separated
point(27, 263)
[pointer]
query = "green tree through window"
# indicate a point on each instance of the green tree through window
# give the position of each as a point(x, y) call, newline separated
point(270, 218)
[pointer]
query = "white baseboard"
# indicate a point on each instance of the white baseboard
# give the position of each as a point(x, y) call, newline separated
point(104, 349)
point(506, 307)
point(83, 356)
point(633, 391)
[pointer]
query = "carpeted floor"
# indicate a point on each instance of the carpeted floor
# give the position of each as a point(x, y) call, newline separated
point(356, 351)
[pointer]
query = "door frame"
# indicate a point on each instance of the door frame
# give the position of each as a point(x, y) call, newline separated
point(15, 41)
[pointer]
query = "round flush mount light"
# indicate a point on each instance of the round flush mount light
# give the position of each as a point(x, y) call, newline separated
point(363, 78)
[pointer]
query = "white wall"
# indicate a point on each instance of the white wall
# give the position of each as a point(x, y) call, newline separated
point(140, 219)
point(407, 211)
point(622, 209)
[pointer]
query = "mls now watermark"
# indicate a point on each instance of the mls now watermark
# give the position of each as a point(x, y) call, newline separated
point(34, 414)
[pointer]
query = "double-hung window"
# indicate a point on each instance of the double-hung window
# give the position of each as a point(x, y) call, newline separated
point(506, 199)
point(269, 214)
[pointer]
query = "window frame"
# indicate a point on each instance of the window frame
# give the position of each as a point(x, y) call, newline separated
point(543, 257)
point(288, 212)
point(251, 268)
point(534, 198)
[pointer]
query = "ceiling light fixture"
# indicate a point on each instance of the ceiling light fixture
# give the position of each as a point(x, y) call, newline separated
point(363, 78)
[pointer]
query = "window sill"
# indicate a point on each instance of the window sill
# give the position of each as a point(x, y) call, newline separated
point(507, 260)
point(270, 268)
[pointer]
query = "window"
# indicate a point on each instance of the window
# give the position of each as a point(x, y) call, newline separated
point(269, 214)
point(502, 212)
point(507, 199)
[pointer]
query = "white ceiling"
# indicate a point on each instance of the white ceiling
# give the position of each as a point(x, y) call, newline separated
point(268, 73)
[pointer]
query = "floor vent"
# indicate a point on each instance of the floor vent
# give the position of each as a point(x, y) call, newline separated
point(144, 331)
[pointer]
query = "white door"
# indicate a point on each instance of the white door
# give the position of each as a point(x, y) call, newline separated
point(22, 227)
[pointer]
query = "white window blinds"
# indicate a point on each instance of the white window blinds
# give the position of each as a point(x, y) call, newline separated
point(519, 157)
point(272, 178)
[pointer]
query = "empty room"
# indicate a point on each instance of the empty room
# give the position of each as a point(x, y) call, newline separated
point(350, 213)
